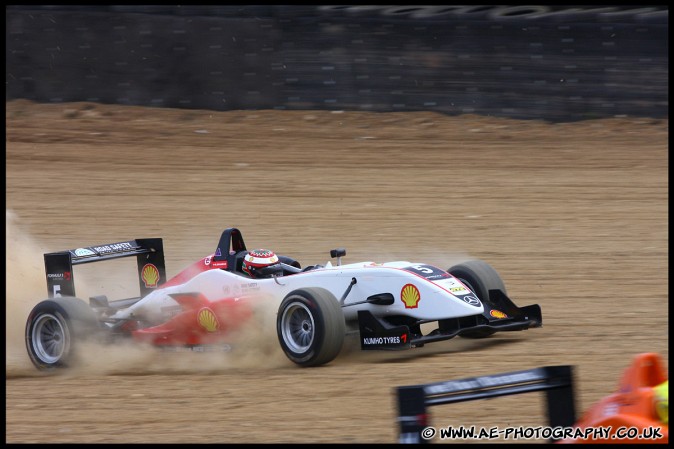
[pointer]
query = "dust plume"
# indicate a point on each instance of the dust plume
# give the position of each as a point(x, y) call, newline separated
point(25, 286)
point(254, 346)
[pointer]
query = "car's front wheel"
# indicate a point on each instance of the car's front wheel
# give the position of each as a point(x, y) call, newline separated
point(54, 328)
point(310, 326)
point(479, 277)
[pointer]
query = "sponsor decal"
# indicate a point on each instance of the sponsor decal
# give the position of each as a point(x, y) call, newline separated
point(61, 276)
point(497, 314)
point(82, 252)
point(150, 275)
point(410, 296)
point(211, 348)
point(250, 287)
point(218, 253)
point(219, 264)
point(454, 286)
point(208, 320)
point(385, 340)
point(223, 347)
point(472, 300)
point(480, 382)
point(113, 247)
point(207, 260)
point(495, 12)
point(170, 311)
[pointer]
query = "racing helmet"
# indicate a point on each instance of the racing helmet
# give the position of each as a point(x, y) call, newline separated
point(260, 263)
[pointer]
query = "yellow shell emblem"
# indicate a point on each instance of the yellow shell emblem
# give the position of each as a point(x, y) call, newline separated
point(207, 320)
point(410, 296)
point(150, 275)
point(497, 314)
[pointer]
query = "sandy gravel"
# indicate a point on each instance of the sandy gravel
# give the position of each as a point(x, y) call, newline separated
point(574, 217)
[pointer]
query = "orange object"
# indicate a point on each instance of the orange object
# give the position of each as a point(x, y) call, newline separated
point(630, 413)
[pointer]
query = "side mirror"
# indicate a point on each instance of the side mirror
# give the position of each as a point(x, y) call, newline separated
point(338, 253)
point(381, 299)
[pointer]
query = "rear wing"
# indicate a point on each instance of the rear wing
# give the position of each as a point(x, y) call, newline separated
point(149, 258)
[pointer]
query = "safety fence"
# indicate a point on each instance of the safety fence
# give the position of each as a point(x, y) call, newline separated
point(534, 62)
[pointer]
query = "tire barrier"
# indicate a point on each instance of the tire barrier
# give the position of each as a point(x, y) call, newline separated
point(556, 381)
point(532, 62)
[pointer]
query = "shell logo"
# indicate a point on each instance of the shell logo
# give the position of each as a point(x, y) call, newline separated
point(208, 320)
point(150, 275)
point(410, 296)
point(497, 314)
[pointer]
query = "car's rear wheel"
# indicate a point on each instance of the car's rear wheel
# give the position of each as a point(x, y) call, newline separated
point(310, 326)
point(54, 328)
point(479, 277)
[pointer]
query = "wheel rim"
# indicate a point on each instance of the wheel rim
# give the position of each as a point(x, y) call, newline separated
point(49, 338)
point(297, 327)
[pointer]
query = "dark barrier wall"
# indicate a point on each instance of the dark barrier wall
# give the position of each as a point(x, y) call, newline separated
point(558, 63)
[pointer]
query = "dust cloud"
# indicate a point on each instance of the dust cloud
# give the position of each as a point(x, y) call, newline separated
point(25, 286)
point(256, 346)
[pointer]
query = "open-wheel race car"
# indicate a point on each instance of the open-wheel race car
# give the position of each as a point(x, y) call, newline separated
point(636, 412)
point(318, 305)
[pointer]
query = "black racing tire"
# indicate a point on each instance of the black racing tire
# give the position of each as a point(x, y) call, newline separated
point(480, 277)
point(310, 326)
point(54, 328)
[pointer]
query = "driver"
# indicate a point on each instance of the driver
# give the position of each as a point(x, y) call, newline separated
point(256, 260)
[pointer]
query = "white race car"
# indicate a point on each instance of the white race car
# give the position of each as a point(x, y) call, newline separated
point(385, 303)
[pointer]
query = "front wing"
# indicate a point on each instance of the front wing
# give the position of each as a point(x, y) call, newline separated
point(500, 314)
